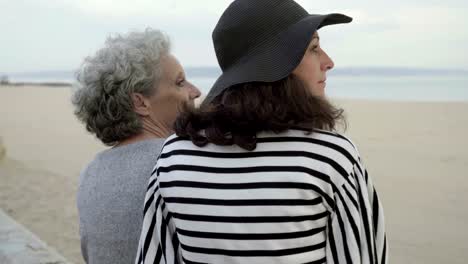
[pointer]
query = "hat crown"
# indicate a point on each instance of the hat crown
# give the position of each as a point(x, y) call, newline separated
point(246, 24)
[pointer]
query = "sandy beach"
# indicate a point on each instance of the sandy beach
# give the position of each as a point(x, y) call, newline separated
point(417, 154)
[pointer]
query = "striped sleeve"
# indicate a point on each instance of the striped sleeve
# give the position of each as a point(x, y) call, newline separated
point(355, 229)
point(158, 243)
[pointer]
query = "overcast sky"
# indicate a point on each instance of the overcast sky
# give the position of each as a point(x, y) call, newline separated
point(43, 35)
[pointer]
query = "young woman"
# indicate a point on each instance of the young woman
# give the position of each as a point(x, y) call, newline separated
point(258, 174)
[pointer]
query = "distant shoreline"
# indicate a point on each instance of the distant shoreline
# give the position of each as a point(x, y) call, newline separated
point(45, 84)
point(214, 72)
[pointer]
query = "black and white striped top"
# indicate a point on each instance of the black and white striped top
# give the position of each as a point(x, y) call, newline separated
point(296, 198)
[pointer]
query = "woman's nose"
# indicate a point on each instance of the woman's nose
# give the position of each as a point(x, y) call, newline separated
point(328, 63)
point(194, 92)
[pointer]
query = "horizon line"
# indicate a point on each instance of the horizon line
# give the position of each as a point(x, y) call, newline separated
point(340, 69)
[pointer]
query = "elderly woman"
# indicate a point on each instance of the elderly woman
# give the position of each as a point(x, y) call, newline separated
point(129, 95)
point(258, 174)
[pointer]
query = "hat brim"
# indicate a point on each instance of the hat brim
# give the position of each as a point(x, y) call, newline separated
point(275, 58)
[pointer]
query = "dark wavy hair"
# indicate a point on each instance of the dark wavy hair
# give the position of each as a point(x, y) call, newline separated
point(243, 110)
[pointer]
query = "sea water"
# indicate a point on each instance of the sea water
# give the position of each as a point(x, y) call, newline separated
point(392, 86)
point(395, 88)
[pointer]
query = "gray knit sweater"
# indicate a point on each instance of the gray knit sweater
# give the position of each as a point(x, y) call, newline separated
point(110, 201)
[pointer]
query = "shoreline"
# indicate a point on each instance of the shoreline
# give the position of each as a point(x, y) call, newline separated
point(333, 99)
point(39, 84)
point(449, 99)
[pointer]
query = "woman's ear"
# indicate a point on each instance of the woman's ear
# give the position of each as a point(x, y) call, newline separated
point(141, 104)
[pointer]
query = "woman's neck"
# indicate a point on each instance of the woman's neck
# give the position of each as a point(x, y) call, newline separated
point(151, 129)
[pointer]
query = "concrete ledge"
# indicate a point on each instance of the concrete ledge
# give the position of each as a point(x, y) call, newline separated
point(19, 246)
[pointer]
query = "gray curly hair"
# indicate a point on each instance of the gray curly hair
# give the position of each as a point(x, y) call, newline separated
point(127, 64)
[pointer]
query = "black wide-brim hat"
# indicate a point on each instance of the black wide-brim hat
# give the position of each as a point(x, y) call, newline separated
point(263, 40)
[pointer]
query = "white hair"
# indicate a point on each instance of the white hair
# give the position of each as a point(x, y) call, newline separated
point(126, 64)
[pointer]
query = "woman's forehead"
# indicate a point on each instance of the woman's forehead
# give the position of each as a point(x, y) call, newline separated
point(316, 36)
